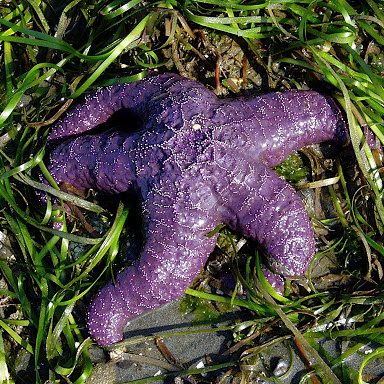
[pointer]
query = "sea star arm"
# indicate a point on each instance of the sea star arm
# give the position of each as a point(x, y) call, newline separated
point(176, 248)
point(261, 205)
point(272, 126)
point(101, 162)
point(296, 119)
point(98, 107)
point(133, 104)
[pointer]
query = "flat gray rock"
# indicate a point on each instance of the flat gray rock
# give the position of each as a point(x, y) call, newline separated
point(191, 348)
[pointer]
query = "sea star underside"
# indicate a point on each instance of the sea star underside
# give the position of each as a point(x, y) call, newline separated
point(195, 161)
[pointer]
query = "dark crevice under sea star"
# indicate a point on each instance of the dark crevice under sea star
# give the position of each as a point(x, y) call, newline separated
point(195, 161)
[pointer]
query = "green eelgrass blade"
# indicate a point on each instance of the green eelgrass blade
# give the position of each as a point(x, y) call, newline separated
point(15, 336)
point(133, 36)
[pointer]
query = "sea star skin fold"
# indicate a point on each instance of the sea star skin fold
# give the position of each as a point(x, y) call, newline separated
point(195, 161)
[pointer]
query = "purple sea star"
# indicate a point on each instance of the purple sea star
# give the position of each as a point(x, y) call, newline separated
point(195, 161)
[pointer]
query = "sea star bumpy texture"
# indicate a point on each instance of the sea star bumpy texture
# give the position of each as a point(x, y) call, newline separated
point(195, 161)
